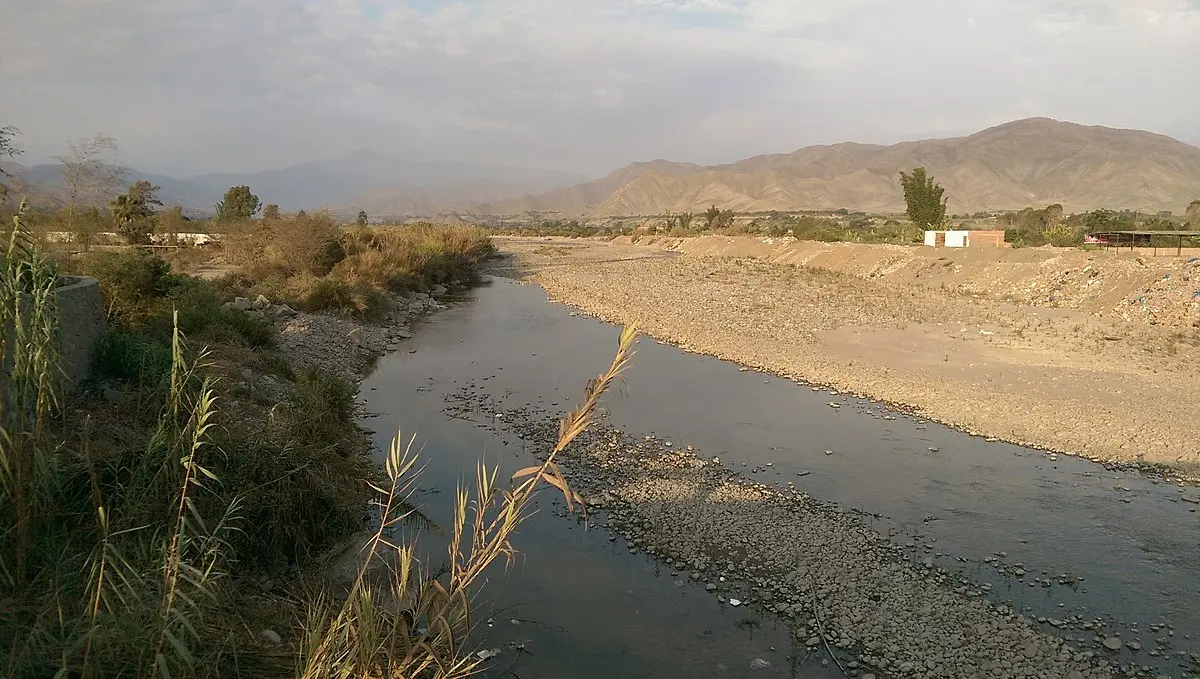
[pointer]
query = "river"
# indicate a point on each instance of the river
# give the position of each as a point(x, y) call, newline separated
point(583, 606)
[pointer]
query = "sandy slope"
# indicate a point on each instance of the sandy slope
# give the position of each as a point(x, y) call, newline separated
point(1017, 344)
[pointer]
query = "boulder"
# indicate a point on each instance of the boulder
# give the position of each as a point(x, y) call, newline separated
point(242, 303)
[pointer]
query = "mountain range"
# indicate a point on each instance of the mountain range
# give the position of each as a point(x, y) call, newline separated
point(1035, 161)
point(376, 182)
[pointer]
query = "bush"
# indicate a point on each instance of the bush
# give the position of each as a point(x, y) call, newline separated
point(312, 263)
point(132, 357)
point(133, 283)
point(357, 299)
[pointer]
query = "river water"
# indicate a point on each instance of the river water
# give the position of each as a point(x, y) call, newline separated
point(583, 606)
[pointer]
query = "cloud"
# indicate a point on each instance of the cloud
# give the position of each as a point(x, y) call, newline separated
point(197, 85)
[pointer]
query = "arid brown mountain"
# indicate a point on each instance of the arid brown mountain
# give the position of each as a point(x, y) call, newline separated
point(1036, 161)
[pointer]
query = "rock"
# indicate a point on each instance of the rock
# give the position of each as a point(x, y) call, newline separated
point(488, 653)
point(438, 290)
point(712, 587)
point(813, 641)
point(260, 303)
point(1112, 643)
point(242, 303)
point(759, 663)
point(271, 637)
point(283, 311)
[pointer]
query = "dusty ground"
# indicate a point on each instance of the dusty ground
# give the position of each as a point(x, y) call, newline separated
point(1095, 354)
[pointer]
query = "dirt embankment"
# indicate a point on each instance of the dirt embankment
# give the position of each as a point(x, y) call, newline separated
point(1091, 353)
point(1159, 290)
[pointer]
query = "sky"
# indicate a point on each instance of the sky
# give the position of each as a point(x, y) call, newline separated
point(191, 86)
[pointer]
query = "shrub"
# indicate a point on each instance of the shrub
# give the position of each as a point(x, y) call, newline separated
point(133, 282)
point(132, 357)
point(357, 299)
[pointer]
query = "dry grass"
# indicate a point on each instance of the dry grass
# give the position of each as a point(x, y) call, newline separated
point(314, 263)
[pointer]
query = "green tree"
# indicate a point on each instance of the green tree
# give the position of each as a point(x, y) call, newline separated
point(715, 218)
point(132, 211)
point(1193, 214)
point(271, 211)
point(361, 220)
point(923, 196)
point(239, 203)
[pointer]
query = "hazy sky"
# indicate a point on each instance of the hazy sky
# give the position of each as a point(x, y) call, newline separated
point(191, 86)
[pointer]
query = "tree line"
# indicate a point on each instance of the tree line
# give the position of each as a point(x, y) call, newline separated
point(94, 200)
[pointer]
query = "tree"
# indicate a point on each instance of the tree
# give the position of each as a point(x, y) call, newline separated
point(7, 149)
point(271, 211)
point(1054, 214)
point(89, 178)
point(926, 206)
point(132, 211)
point(239, 203)
point(715, 218)
point(170, 222)
point(1193, 214)
point(361, 220)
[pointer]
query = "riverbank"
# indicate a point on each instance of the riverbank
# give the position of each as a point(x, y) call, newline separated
point(1062, 378)
point(179, 513)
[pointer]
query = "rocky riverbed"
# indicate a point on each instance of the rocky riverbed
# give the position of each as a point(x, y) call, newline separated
point(339, 344)
point(882, 608)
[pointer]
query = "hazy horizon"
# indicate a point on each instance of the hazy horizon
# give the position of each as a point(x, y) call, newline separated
point(198, 86)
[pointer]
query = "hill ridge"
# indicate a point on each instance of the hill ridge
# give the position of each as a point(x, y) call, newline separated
point(1012, 165)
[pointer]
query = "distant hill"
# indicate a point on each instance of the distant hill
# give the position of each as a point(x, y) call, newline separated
point(380, 184)
point(1036, 161)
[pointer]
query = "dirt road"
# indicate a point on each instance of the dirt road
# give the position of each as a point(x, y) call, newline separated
point(1095, 354)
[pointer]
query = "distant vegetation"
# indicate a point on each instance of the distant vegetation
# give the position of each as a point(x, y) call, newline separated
point(1048, 226)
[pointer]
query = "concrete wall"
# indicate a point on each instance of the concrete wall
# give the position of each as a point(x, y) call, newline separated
point(81, 325)
point(956, 239)
point(82, 313)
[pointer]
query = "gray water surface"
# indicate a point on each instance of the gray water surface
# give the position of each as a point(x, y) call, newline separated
point(583, 602)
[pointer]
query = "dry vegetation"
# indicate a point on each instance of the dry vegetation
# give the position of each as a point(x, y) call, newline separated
point(319, 265)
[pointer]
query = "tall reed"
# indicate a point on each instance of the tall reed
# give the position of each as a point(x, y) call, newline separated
point(418, 624)
point(29, 393)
